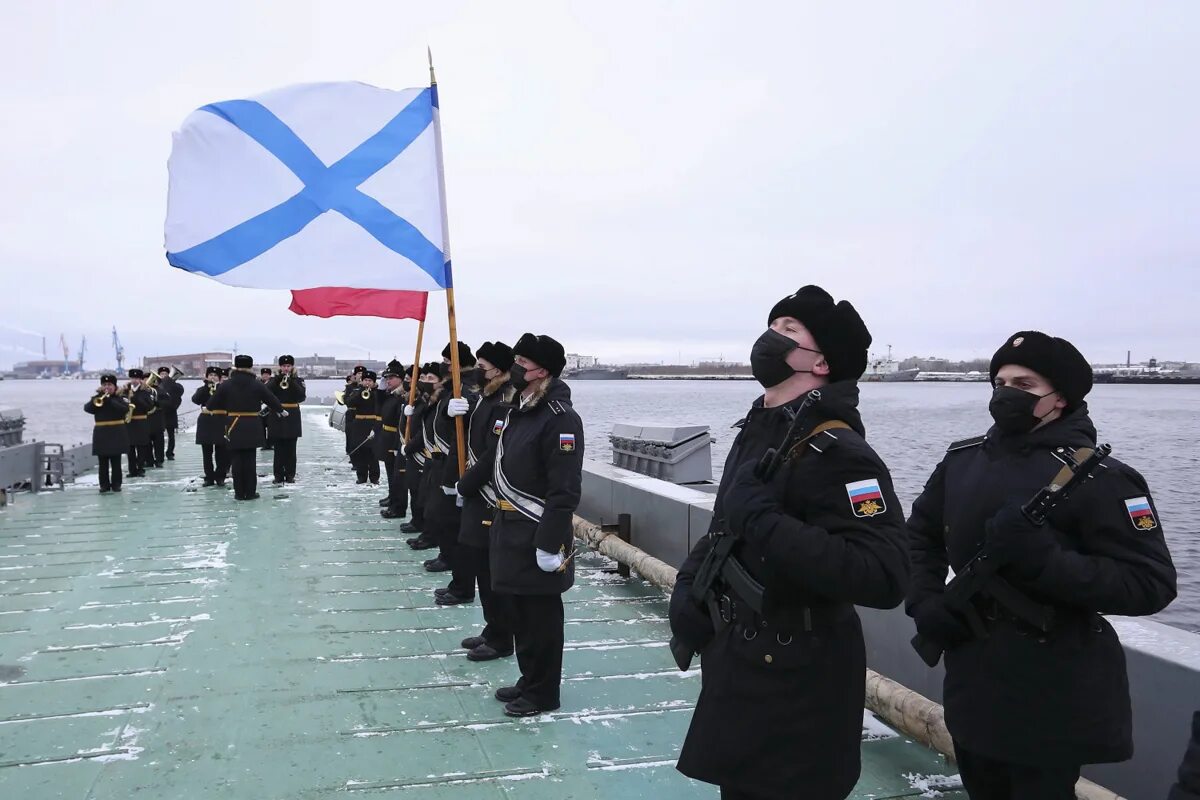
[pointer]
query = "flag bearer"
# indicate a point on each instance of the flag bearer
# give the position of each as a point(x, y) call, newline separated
point(387, 444)
point(493, 362)
point(538, 473)
point(442, 513)
point(285, 431)
point(1028, 704)
point(210, 430)
point(110, 436)
point(418, 452)
point(242, 397)
point(364, 402)
point(139, 426)
point(782, 689)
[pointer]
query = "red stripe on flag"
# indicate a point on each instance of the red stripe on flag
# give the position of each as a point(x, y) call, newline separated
point(334, 301)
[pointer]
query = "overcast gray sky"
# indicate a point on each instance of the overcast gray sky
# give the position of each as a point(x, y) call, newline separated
point(644, 179)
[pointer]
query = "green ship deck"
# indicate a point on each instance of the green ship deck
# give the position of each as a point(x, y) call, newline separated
point(168, 642)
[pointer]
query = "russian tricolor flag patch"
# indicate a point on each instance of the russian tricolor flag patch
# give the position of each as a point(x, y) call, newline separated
point(1140, 513)
point(866, 498)
point(566, 442)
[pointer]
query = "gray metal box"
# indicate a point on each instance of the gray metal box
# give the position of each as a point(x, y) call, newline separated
point(679, 454)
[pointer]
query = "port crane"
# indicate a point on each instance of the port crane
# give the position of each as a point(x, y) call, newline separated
point(118, 351)
point(62, 340)
point(82, 353)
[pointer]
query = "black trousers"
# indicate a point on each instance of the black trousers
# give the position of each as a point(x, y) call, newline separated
point(110, 472)
point(139, 456)
point(245, 473)
point(170, 443)
point(389, 467)
point(158, 444)
point(223, 462)
point(366, 465)
point(285, 459)
point(413, 479)
point(539, 635)
point(988, 779)
point(498, 611)
point(398, 486)
point(210, 467)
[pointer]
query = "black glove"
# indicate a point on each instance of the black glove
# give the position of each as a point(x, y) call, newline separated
point(937, 623)
point(746, 501)
point(1013, 540)
point(690, 623)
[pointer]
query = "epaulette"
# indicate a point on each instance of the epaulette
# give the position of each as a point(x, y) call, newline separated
point(964, 444)
point(557, 407)
point(823, 441)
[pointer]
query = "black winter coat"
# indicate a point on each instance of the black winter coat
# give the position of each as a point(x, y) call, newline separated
point(156, 416)
point(1188, 787)
point(365, 405)
point(538, 468)
point(170, 398)
point(110, 436)
point(210, 426)
point(487, 423)
point(242, 397)
point(391, 412)
point(442, 430)
point(1011, 696)
point(780, 708)
point(289, 427)
point(139, 424)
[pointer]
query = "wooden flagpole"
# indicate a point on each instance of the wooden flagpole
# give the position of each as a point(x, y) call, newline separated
point(416, 373)
point(455, 367)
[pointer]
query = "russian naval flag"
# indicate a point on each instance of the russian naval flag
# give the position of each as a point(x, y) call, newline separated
point(309, 186)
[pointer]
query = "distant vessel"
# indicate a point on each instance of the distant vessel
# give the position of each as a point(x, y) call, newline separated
point(887, 370)
point(597, 374)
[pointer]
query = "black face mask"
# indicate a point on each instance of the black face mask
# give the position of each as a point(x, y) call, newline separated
point(1012, 409)
point(768, 358)
point(517, 377)
point(477, 376)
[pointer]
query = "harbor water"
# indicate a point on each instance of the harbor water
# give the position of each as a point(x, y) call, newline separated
point(1153, 428)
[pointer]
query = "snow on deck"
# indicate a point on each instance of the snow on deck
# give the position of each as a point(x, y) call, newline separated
point(169, 642)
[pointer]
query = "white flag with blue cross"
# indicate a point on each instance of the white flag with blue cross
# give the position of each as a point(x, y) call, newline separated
point(320, 184)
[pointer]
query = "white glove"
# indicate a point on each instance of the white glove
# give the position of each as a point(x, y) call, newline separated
point(458, 406)
point(549, 562)
point(450, 491)
point(408, 410)
point(283, 413)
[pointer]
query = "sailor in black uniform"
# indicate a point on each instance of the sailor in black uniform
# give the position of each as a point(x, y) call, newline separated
point(210, 428)
point(818, 530)
point(156, 417)
point(242, 397)
point(264, 377)
point(1033, 700)
point(142, 401)
point(285, 431)
point(496, 395)
point(170, 394)
point(538, 473)
point(418, 454)
point(387, 444)
point(364, 402)
point(110, 435)
point(442, 512)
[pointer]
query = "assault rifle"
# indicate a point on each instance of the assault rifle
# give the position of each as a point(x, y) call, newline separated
point(718, 566)
point(979, 574)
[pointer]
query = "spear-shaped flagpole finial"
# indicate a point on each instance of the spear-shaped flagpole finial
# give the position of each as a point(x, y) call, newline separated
point(432, 77)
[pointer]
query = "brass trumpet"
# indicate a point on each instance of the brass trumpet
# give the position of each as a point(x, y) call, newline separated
point(366, 394)
point(100, 397)
point(284, 381)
